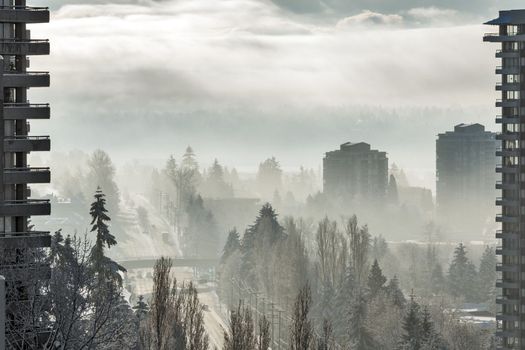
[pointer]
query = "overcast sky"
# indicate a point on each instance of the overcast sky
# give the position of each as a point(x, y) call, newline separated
point(242, 80)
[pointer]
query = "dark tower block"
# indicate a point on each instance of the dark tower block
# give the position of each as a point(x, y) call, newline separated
point(511, 299)
point(21, 246)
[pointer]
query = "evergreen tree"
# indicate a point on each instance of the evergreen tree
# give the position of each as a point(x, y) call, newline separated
point(395, 294)
point(188, 159)
point(104, 267)
point(437, 279)
point(233, 244)
point(141, 308)
point(430, 340)
point(344, 300)
point(101, 175)
point(265, 232)
point(376, 280)
point(360, 337)
point(487, 274)
point(462, 275)
point(412, 328)
point(392, 193)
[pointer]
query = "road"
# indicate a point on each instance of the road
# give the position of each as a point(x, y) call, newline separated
point(152, 243)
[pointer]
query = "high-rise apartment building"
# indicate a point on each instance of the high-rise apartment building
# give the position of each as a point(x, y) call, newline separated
point(355, 171)
point(465, 177)
point(21, 245)
point(511, 285)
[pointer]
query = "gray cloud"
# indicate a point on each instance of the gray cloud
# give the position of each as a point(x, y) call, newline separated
point(150, 79)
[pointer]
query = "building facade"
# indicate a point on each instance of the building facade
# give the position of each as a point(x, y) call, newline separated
point(20, 245)
point(511, 283)
point(465, 177)
point(355, 171)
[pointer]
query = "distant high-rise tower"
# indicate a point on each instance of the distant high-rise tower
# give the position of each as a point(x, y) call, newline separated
point(465, 177)
point(356, 171)
point(511, 316)
point(20, 245)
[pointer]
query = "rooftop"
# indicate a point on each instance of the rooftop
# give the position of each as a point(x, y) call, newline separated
point(509, 17)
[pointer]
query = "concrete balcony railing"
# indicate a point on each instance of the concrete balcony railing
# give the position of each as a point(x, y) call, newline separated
point(26, 272)
point(500, 185)
point(30, 239)
point(24, 47)
point(508, 70)
point(26, 79)
point(502, 300)
point(500, 234)
point(27, 176)
point(507, 284)
point(507, 251)
point(500, 119)
point(508, 169)
point(508, 103)
point(507, 219)
point(497, 37)
point(17, 111)
point(27, 144)
point(28, 207)
point(508, 86)
point(507, 268)
point(508, 152)
point(507, 53)
point(508, 136)
point(507, 202)
point(24, 14)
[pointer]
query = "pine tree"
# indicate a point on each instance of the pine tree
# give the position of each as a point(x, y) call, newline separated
point(395, 294)
point(376, 280)
point(487, 274)
point(392, 193)
point(103, 266)
point(141, 308)
point(462, 275)
point(266, 231)
point(233, 244)
point(359, 336)
point(412, 328)
point(188, 159)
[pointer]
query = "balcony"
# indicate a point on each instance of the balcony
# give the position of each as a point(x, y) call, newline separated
point(508, 136)
point(26, 79)
point(508, 70)
point(507, 316)
point(508, 103)
point(507, 169)
point(24, 47)
point(24, 14)
point(508, 87)
point(500, 185)
point(507, 202)
point(507, 54)
point(26, 272)
point(500, 234)
point(26, 207)
point(507, 251)
point(31, 239)
point(27, 144)
point(498, 38)
point(17, 111)
point(507, 268)
point(27, 176)
point(508, 152)
point(501, 300)
point(506, 284)
point(508, 119)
